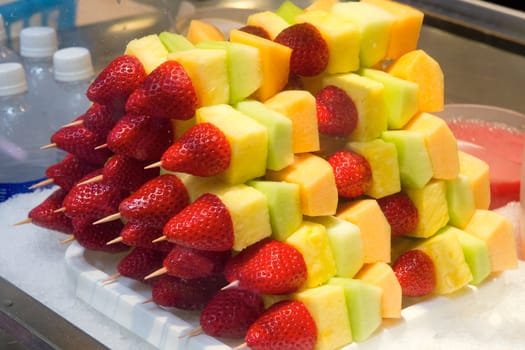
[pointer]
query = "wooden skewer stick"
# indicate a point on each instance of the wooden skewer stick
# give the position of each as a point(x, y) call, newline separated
point(242, 346)
point(68, 240)
point(193, 332)
point(91, 180)
point(48, 146)
point(154, 165)
point(231, 285)
point(23, 222)
point(160, 239)
point(41, 184)
point(110, 278)
point(108, 218)
point(150, 300)
point(60, 210)
point(116, 240)
point(104, 145)
point(75, 123)
point(156, 273)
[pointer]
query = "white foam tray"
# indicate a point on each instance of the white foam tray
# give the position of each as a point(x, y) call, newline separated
point(490, 317)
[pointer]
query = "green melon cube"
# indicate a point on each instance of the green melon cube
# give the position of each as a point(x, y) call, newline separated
point(460, 199)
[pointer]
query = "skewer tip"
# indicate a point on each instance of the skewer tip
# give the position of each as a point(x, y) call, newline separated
point(153, 165)
point(48, 146)
point(23, 222)
point(156, 273)
point(108, 218)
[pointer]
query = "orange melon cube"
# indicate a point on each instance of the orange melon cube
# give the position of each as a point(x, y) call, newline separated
point(203, 31)
point(477, 171)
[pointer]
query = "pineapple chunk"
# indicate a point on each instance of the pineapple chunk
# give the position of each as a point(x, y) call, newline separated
point(149, 50)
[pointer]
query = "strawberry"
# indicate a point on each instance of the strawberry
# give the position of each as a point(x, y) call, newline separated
point(127, 173)
point(69, 171)
point(93, 200)
point(139, 235)
point(415, 272)
point(44, 215)
point(336, 112)
point(156, 201)
point(95, 237)
point(116, 82)
point(400, 211)
point(284, 325)
point(140, 137)
point(167, 92)
point(268, 267)
point(100, 119)
point(295, 82)
point(203, 263)
point(205, 224)
point(203, 150)
point(256, 30)
point(352, 172)
point(81, 142)
point(193, 294)
point(140, 262)
point(231, 312)
point(309, 50)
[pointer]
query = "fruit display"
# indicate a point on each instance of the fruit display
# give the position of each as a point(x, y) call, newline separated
point(288, 181)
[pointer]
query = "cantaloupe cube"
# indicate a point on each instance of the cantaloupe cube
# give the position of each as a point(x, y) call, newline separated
point(327, 305)
point(275, 62)
point(367, 94)
point(149, 50)
point(382, 157)
point(312, 241)
point(203, 31)
point(432, 208)
point(380, 274)
point(299, 107)
point(375, 229)
point(208, 72)
point(451, 269)
point(324, 5)
point(422, 69)
point(316, 181)
point(269, 21)
point(441, 144)
point(248, 141)
point(342, 38)
point(498, 232)
point(404, 33)
point(477, 171)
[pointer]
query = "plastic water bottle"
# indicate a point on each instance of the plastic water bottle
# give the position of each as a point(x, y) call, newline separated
point(6, 54)
point(73, 72)
point(23, 163)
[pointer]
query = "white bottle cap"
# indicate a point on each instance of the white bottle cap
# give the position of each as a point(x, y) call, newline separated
point(12, 79)
point(72, 64)
point(38, 42)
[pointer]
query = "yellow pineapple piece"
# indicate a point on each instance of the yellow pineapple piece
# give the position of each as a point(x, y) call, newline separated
point(149, 50)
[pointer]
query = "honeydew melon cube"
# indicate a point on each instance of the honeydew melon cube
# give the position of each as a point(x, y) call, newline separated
point(175, 42)
point(248, 141)
point(327, 306)
point(380, 274)
point(149, 50)
point(374, 24)
point(451, 269)
point(243, 65)
point(342, 38)
point(422, 69)
point(280, 144)
point(382, 157)
point(312, 241)
point(299, 106)
point(460, 200)
point(367, 94)
point(270, 21)
point(316, 181)
point(373, 225)
point(498, 232)
point(275, 62)
point(415, 167)
point(363, 301)
point(477, 171)
point(284, 206)
point(345, 242)
point(404, 33)
point(441, 144)
point(203, 31)
point(476, 254)
point(400, 97)
point(432, 208)
point(288, 11)
point(208, 72)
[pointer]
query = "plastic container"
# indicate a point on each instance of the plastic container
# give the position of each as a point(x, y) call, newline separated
point(6, 54)
point(23, 164)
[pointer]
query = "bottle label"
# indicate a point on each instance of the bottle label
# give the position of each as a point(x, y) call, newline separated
point(7, 190)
